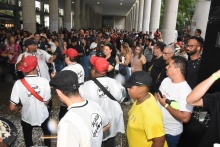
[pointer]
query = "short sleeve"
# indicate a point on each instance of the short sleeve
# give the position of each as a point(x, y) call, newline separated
point(47, 96)
point(14, 94)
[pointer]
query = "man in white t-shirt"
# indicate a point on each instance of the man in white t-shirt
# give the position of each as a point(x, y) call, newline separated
point(173, 103)
point(34, 112)
point(84, 123)
point(42, 58)
point(90, 91)
point(93, 46)
point(71, 56)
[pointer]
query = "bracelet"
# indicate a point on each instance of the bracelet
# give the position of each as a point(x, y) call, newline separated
point(214, 75)
point(166, 105)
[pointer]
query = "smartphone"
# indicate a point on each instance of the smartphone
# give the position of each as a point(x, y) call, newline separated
point(160, 93)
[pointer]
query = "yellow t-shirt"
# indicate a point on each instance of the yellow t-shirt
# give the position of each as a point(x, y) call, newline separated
point(144, 123)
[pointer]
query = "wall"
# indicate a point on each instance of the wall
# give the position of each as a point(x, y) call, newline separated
point(119, 22)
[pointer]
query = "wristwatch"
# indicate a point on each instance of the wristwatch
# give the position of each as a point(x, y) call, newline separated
point(168, 101)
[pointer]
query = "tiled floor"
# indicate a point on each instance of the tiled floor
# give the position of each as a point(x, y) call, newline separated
point(14, 117)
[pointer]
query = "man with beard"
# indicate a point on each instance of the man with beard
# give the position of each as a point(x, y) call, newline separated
point(194, 47)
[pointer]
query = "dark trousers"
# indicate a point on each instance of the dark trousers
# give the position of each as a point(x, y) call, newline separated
point(63, 111)
point(27, 131)
point(111, 142)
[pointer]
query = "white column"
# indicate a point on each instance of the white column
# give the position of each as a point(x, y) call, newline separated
point(146, 17)
point(200, 18)
point(92, 17)
point(29, 15)
point(136, 15)
point(133, 18)
point(53, 15)
point(67, 14)
point(77, 14)
point(83, 14)
point(169, 20)
point(141, 12)
point(155, 15)
point(130, 23)
point(88, 16)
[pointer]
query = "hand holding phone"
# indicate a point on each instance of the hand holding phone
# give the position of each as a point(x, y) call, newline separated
point(160, 93)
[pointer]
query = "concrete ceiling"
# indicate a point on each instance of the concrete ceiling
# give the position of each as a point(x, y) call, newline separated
point(112, 7)
point(108, 7)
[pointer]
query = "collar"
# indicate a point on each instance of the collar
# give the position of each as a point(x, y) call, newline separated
point(31, 75)
point(78, 105)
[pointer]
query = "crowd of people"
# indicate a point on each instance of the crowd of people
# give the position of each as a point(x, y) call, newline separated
point(81, 66)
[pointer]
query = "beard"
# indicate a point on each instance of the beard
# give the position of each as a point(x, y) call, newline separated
point(190, 53)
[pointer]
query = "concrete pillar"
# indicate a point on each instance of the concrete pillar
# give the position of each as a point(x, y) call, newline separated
point(17, 24)
point(155, 15)
point(77, 14)
point(67, 14)
point(169, 20)
point(100, 20)
point(133, 18)
point(91, 17)
point(88, 16)
point(141, 12)
point(42, 15)
point(136, 15)
point(83, 14)
point(146, 17)
point(130, 23)
point(53, 15)
point(29, 15)
point(200, 17)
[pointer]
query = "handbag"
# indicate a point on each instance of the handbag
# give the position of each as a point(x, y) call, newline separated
point(104, 89)
point(122, 69)
point(31, 90)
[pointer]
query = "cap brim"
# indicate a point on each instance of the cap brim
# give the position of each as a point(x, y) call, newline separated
point(64, 52)
point(129, 84)
point(26, 70)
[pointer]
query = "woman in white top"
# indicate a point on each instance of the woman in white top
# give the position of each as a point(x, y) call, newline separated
point(138, 60)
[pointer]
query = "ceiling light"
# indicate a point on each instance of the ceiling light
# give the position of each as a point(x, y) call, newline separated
point(98, 3)
point(120, 3)
point(73, 2)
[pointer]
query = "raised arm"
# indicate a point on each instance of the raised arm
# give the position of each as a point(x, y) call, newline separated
point(195, 97)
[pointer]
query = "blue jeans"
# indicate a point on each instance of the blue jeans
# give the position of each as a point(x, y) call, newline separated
point(172, 141)
point(86, 64)
point(125, 70)
point(59, 66)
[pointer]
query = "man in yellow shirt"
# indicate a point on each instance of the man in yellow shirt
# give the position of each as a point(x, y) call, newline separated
point(145, 124)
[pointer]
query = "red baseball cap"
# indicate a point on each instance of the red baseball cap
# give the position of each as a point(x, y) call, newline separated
point(100, 64)
point(28, 64)
point(180, 43)
point(70, 52)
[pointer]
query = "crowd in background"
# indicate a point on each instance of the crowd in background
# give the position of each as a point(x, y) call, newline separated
point(127, 52)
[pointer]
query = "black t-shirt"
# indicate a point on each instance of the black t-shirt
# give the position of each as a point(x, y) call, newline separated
point(111, 60)
point(78, 48)
point(212, 135)
point(59, 59)
point(155, 70)
point(192, 72)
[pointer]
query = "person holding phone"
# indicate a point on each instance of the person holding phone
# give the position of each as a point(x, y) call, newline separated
point(174, 87)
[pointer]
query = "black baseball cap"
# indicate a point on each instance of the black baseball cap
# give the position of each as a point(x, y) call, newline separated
point(139, 78)
point(66, 80)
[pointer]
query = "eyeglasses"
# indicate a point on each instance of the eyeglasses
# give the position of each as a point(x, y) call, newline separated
point(190, 46)
point(166, 53)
